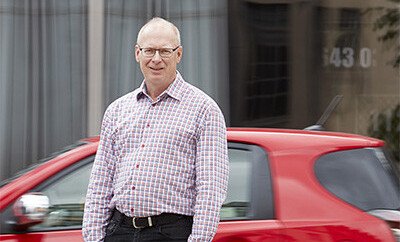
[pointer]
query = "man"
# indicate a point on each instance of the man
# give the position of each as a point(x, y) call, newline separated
point(161, 169)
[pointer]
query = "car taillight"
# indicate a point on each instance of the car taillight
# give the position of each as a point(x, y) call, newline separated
point(391, 217)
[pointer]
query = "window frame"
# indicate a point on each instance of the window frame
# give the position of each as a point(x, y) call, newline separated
point(261, 203)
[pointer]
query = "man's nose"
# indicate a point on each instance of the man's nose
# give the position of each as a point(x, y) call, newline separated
point(156, 56)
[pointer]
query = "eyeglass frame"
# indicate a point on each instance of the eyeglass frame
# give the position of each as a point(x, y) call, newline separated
point(158, 50)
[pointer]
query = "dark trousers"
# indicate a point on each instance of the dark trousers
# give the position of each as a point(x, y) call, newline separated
point(179, 230)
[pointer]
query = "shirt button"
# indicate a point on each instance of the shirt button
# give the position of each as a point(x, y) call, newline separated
point(132, 210)
point(133, 187)
point(148, 125)
point(137, 165)
point(142, 145)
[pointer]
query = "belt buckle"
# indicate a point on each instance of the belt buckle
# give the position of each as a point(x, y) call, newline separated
point(150, 222)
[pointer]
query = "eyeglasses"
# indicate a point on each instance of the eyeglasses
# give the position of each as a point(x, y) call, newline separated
point(163, 52)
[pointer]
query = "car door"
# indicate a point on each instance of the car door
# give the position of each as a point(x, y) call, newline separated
point(66, 192)
point(248, 212)
point(247, 215)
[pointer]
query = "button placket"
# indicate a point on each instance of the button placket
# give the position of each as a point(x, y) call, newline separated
point(147, 124)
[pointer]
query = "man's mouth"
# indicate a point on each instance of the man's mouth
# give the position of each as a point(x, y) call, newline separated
point(156, 69)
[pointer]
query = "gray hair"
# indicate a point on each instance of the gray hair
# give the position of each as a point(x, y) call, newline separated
point(158, 20)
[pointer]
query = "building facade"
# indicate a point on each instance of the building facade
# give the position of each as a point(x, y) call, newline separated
point(267, 64)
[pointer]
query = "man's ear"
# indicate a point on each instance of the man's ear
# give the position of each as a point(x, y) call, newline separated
point(137, 52)
point(179, 53)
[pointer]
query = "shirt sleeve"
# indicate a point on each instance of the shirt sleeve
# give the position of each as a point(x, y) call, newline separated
point(212, 170)
point(97, 206)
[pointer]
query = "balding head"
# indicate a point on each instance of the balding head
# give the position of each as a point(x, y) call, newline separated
point(158, 23)
point(158, 37)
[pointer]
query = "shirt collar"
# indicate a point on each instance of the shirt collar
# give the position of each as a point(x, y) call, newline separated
point(175, 89)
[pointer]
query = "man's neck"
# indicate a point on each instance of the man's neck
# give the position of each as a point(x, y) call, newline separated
point(154, 90)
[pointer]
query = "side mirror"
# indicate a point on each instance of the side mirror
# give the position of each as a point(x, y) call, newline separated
point(31, 209)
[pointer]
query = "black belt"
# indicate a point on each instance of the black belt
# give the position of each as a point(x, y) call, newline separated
point(144, 222)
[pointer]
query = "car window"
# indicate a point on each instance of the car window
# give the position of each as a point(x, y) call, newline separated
point(361, 177)
point(67, 196)
point(238, 198)
point(250, 188)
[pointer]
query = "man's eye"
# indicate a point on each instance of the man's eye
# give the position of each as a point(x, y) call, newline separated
point(165, 52)
point(148, 51)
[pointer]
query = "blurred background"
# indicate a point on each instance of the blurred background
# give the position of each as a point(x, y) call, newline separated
point(267, 64)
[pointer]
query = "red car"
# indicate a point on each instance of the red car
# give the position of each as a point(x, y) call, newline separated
point(285, 185)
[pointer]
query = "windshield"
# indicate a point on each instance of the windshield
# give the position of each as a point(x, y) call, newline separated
point(41, 161)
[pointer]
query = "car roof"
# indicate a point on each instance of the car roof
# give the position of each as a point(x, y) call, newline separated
point(290, 139)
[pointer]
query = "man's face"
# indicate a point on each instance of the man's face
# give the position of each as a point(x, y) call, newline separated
point(158, 70)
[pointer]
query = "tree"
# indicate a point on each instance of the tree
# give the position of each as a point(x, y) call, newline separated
point(389, 22)
point(386, 126)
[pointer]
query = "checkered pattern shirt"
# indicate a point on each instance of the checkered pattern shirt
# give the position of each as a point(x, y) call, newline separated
point(168, 155)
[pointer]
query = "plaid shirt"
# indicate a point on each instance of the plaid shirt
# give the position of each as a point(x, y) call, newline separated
point(168, 155)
